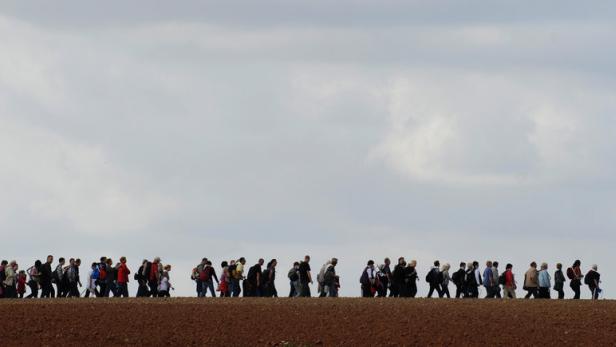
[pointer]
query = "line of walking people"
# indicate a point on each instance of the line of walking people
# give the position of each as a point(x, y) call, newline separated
point(104, 279)
point(468, 279)
point(259, 280)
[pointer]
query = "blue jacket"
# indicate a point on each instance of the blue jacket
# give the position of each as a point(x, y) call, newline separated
point(544, 279)
point(487, 277)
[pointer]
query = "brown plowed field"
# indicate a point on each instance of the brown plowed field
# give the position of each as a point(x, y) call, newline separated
point(305, 322)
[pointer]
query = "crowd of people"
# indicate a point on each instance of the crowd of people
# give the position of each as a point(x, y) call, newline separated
point(235, 278)
point(104, 279)
point(538, 283)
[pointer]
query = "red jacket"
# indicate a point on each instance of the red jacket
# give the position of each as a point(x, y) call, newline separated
point(123, 273)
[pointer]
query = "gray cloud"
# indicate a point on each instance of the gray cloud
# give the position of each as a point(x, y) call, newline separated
point(353, 130)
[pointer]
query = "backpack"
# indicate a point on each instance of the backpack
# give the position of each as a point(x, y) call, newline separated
point(293, 275)
point(588, 279)
point(570, 273)
point(502, 279)
point(364, 277)
point(430, 276)
point(456, 277)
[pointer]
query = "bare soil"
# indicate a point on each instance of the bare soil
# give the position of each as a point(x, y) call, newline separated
point(305, 322)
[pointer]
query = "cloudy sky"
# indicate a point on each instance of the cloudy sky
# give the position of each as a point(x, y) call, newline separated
point(453, 131)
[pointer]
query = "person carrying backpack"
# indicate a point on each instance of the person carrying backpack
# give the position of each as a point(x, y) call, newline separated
point(471, 283)
point(384, 275)
point(488, 281)
point(458, 278)
point(252, 284)
point(410, 279)
point(559, 281)
point(46, 276)
point(434, 279)
point(397, 279)
point(368, 280)
point(268, 280)
point(10, 280)
point(207, 276)
point(199, 276)
point(575, 276)
point(294, 283)
point(305, 277)
point(237, 275)
point(58, 278)
point(34, 272)
point(592, 280)
point(142, 282)
point(331, 280)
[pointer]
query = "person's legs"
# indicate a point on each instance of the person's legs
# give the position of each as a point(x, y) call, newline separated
point(446, 292)
point(153, 288)
point(431, 291)
point(497, 292)
point(199, 288)
point(210, 285)
point(576, 290)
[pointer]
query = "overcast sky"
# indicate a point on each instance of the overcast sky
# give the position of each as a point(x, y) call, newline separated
point(432, 130)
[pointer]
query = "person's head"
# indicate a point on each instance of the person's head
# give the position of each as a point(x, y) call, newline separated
point(334, 261)
point(109, 261)
point(533, 265)
point(577, 263)
point(470, 265)
point(208, 263)
point(370, 263)
point(203, 261)
point(387, 261)
point(509, 266)
point(37, 264)
point(71, 261)
point(261, 261)
point(4, 263)
point(595, 267)
point(462, 265)
point(77, 262)
point(307, 258)
point(401, 261)
point(489, 263)
point(123, 260)
point(144, 262)
point(437, 263)
point(296, 264)
point(446, 267)
point(157, 260)
point(495, 264)
point(167, 268)
point(103, 260)
point(232, 262)
point(559, 266)
point(544, 266)
point(50, 259)
point(94, 265)
point(242, 260)
point(224, 264)
point(413, 263)
point(22, 272)
point(273, 263)
point(61, 261)
point(13, 264)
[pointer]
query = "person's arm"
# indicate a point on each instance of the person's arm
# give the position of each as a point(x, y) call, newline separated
point(309, 276)
point(214, 275)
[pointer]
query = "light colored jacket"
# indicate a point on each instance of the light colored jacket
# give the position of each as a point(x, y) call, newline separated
point(10, 276)
point(544, 279)
point(530, 278)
